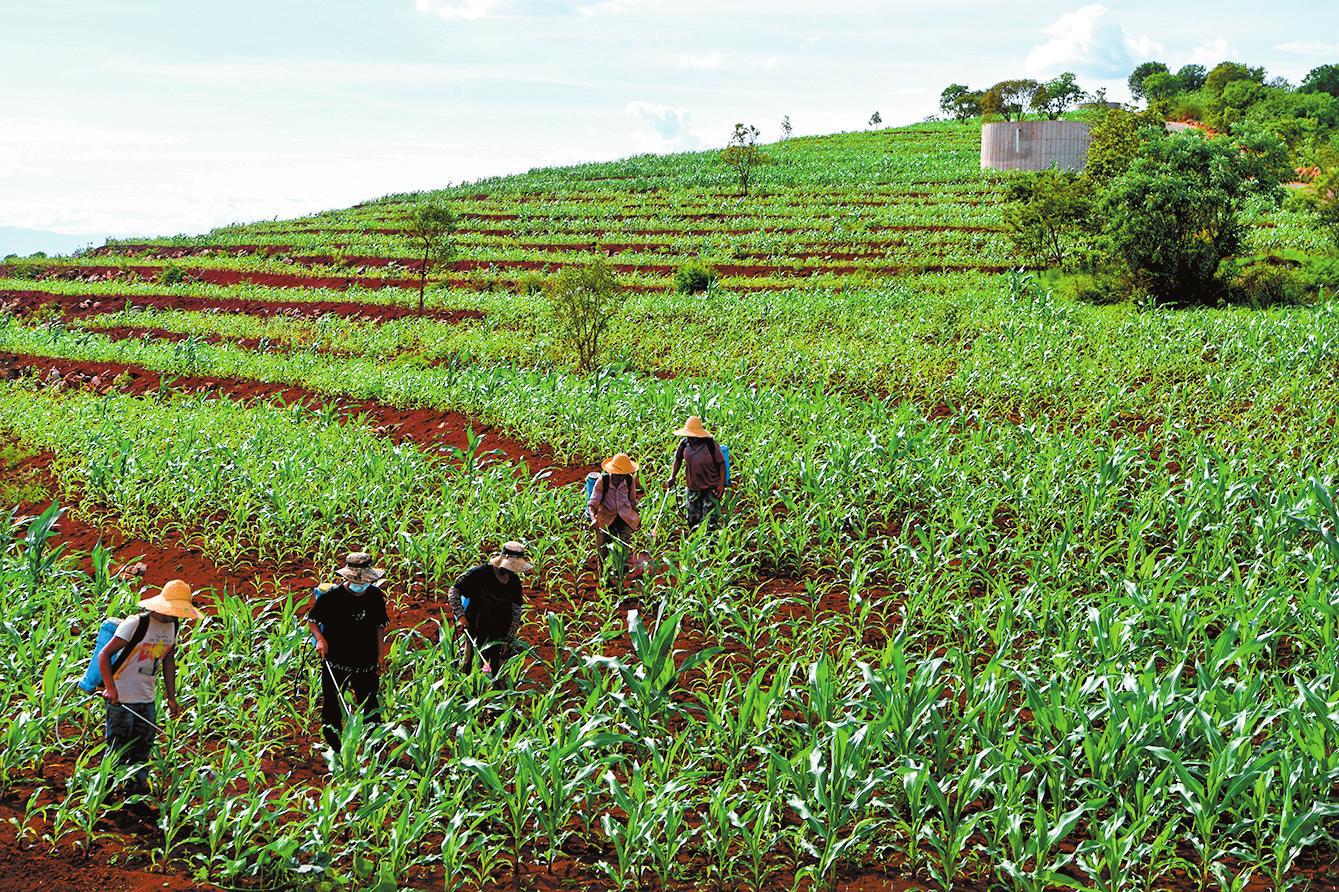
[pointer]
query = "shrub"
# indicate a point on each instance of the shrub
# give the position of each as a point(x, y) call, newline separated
point(1099, 289)
point(530, 284)
point(694, 277)
point(1266, 284)
point(1052, 215)
point(583, 302)
point(172, 274)
point(1174, 216)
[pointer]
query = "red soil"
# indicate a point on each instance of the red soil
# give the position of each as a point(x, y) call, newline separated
point(79, 305)
point(225, 277)
point(432, 429)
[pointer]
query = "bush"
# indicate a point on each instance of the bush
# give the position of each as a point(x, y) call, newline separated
point(1267, 284)
point(583, 302)
point(1051, 218)
point(1099, 289)
point(172, 274)
point(694, 277)
point(530, 284)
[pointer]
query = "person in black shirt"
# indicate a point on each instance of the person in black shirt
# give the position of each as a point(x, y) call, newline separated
point(348, 622)
point(486, 603)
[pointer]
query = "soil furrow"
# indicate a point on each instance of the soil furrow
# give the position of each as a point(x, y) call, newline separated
point(434, 430)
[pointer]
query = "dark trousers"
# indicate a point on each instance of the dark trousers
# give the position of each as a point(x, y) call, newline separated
point(362, 683)
point(702, 505)
point(132, 735)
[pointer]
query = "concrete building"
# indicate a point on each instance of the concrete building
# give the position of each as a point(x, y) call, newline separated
point(1034, 145)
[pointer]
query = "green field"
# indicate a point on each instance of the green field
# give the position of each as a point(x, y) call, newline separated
point(1013, 591)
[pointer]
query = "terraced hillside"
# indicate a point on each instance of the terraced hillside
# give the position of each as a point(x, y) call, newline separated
point(1010, 589)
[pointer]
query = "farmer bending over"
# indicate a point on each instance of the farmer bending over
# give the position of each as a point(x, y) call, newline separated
point(613, 512)
point(704, 472)
point(349, 623)
point(131, 689)
point(487, 605)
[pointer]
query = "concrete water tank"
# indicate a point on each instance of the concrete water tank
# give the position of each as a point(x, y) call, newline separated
point(1034, 145)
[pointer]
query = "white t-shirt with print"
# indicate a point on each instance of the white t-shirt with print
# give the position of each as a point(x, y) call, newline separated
point(135, 681)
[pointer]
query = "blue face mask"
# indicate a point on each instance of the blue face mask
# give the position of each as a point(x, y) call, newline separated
point(358, 587)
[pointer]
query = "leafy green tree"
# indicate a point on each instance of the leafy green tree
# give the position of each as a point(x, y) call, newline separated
point(1056, 96)
point(1322, 79)
point(875, 119)
point(1115, 140)
point(1191, 77)
point(1225, 73)
point(432, 228)
point(960, 102)
point(1323, 193)
point(742, 154)
point(786, 128)
point(1051, 217)
point(1174, 215)
point(1161, 87)
point(584, 301)
point(1008, 99)
point(1140, 73)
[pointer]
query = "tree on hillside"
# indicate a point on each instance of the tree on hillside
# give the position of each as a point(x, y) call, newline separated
point(432, 228)
point(1322, 79)
point(742, 154)
point(1225, 73)
point(1052, 215)
point(1191, 77)
point(1057, 96)
point(959, 102)
point(875, 119)
point(786, 128)
point(1007, 99)
point(1175, 214)
point(1114, 140)
point(1160, 88)
point(1141, 73)
point(584, 301)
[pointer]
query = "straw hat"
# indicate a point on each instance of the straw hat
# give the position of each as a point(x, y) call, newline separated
point(693, 428)
point(358, 568)
point(620, 464)
point(512, 557)
point(173, 600)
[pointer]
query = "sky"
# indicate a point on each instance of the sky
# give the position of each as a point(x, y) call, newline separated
point(153, 117)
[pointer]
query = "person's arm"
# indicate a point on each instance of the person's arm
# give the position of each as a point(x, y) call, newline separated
point(454, 602)
point(596, 493)
point(315, 630)
point(105, 667)
point(170, 682)
point(678, 462)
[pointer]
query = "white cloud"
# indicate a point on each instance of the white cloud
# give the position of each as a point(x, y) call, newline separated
point(1211, 52)
point(671, 127)
point(765, 64)
point(1309, 48)
point(590, 9)
point(457, 9)
point(709, 62)
point(1086, 41)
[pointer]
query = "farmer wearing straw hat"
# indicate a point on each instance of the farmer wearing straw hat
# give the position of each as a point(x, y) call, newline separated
point(131, 689)
point(487, 605)
point(614, 514)
point(703, 462)
point(348, 622)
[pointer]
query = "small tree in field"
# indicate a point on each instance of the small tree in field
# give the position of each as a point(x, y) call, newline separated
point(1008, 99)
point(432, 227)
point(742, 154)
point(584, 300)
point(875, 119)
point(786, 128)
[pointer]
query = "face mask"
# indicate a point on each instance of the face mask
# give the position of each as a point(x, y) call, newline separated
point(358, 587)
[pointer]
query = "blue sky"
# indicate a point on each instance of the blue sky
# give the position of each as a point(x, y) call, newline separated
point(155, 117)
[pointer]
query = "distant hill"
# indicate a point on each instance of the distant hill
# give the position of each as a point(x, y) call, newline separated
point(14, 240)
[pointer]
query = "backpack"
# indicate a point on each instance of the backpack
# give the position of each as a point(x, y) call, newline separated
point(92, 679)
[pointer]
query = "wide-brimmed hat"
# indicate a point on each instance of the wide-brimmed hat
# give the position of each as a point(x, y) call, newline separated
point(358, 568)
point(692, 428)
point(512, 557)
point(620, 464)
point(173, 600)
